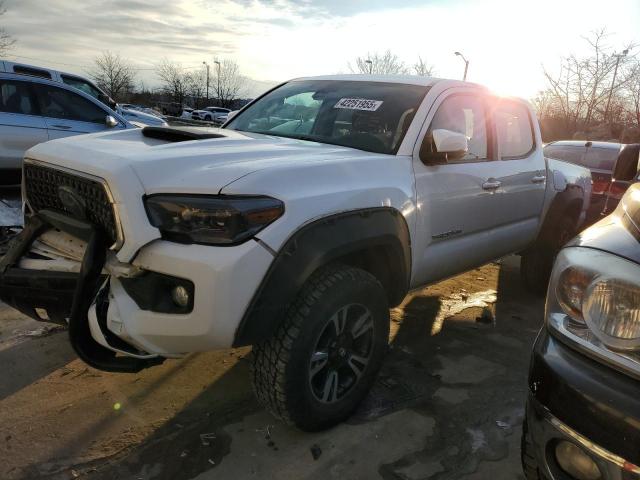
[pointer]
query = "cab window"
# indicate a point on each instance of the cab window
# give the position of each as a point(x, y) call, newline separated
point(17, 97)
point(464, 114)
point(60, 103)
point(514, 129)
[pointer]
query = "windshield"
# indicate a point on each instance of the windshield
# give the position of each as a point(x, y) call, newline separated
point(371, 116)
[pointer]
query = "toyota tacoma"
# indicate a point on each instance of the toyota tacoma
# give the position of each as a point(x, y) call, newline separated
point(294, 229)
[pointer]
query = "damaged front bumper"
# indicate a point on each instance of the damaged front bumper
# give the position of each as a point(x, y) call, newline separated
point(69, 293)
point(124, 316)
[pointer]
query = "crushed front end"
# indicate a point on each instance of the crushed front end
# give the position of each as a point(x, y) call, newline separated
point(56, 268)
point(89, 257)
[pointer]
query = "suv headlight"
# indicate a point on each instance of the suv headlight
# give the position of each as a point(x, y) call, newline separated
point(211, 220)
point(593, 302)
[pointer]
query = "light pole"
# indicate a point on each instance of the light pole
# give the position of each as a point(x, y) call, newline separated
point(218, 92)
point(613, 82)
point(466, 65)
point(207, 65)
point(370, 63)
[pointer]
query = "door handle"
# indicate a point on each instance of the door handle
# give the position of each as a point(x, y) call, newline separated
point(539, 179)
point(491, 184)
point(62, 127)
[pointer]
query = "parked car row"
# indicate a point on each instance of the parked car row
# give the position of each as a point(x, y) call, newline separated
point(39, 104)
point(216, 115)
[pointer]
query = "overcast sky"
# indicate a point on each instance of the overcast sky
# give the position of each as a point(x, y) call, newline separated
point(506, 41)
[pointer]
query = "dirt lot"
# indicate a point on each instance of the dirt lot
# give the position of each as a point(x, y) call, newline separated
point(448, 403)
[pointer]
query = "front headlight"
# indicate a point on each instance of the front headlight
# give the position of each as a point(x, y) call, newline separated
point(594, 302)
point(211, 220)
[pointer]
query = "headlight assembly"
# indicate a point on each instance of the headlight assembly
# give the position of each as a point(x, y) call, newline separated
point(594, 303)
point(211, 220)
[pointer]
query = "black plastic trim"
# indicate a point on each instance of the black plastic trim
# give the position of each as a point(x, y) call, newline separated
point(570, 198)
point(180, 134)
point(152, 291)
point(319, 243)
point(599, 403)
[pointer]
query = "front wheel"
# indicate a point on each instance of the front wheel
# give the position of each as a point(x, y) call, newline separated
point(325, 355)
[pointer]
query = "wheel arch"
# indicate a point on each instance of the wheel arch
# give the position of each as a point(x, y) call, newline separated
point(374, 239)
point(568, 202)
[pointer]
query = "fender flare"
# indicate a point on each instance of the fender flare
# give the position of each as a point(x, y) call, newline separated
point(570, 199)
point(323, 241)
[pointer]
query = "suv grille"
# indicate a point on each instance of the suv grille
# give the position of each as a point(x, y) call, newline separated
point(41, 187)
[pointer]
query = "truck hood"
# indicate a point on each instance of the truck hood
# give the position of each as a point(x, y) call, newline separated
point(195, 166)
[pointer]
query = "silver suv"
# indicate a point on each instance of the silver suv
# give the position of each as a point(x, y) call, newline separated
point(34, 110)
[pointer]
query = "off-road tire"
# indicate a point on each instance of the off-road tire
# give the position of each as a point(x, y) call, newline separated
point(527, 455)
point(537, 262)
point(535, 269)
point(281, 364)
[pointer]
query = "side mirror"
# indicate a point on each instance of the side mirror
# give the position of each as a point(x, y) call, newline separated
point(628, 164)
point(443, 145)
point(110, 121)
point(232, 114)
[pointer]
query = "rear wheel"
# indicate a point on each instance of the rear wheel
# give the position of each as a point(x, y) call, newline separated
point(327, 351)
point(537, 262)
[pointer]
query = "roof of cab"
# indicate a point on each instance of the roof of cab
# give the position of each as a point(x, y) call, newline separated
point(406, 79)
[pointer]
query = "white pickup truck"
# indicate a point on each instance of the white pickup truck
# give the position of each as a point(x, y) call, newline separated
point(294, 228)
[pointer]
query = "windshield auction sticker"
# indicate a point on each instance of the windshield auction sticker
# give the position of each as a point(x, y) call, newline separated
point(358, 104)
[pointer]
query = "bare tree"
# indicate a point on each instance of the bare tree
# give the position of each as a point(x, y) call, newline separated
point(113, 74)
point(173, 79)
point(228, 83)
point(386, 63)
point(6, 40)
point(634, 94)
point(196, 85)
point(423, 69)
point(577, 94)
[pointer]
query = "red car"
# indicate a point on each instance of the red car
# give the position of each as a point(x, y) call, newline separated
point(614, 167)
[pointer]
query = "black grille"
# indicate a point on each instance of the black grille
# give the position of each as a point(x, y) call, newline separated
point(41, 186)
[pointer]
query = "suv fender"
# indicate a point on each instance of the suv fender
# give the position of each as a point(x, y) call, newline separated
point(374, 239)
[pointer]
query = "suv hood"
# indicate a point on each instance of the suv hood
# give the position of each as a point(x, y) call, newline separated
point(196, 166)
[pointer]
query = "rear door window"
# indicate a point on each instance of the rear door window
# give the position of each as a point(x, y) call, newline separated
point(60, 103)
point(515, 132)
point(17, 97)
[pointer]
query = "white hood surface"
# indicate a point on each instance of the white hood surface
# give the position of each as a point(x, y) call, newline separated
point(195, 166)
